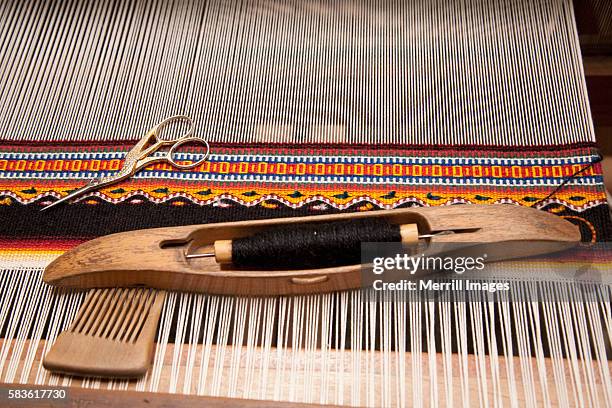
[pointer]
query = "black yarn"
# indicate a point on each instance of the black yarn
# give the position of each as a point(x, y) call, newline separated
point(311, 245)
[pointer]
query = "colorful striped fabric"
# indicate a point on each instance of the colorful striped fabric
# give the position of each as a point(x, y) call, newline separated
point(242, 181)
point(294, 177)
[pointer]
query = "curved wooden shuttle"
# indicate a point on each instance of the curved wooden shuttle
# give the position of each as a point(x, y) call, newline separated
point(156, 257)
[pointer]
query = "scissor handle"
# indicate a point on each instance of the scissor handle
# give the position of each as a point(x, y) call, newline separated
point(153, 136)
point(182, 141)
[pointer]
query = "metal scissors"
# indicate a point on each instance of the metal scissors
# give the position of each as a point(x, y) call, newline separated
point(138, 157)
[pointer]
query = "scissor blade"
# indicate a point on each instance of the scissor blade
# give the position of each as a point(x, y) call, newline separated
point(75, 193)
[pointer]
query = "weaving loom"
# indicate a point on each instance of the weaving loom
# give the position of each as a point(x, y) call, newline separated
point(309, 108)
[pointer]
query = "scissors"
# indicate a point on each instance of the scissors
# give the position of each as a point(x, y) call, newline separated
point(138, 157)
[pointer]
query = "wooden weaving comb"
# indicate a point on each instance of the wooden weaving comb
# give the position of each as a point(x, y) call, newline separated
point(112, 336)
point(168, 258)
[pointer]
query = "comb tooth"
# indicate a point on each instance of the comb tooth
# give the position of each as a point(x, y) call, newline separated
point(119, 310)
point(115, 306)
point(129, 311)
point(90, 301)
point(103, 312)
point(134, 332)
point(95, 311)
point(139, 313)
point(126, 304)
point(108, 308)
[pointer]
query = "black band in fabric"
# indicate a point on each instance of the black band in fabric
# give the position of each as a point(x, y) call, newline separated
point(88, 221)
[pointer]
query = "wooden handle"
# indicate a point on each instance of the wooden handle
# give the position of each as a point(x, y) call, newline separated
point(223, 251)
point(409, 234)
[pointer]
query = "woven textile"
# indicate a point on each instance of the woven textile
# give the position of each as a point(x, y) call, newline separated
point(255, 181)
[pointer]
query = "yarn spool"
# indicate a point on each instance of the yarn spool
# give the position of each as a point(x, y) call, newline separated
point(312, 245)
